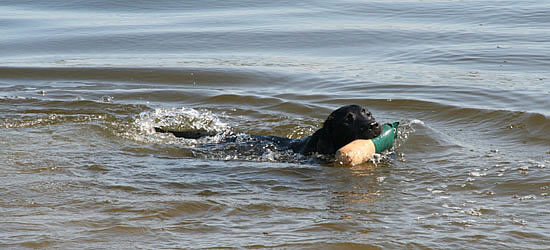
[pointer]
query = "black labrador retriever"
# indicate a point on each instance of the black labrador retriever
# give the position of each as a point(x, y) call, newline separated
point(342, 126)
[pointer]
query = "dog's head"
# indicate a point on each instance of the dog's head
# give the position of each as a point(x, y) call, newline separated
point(345, 125)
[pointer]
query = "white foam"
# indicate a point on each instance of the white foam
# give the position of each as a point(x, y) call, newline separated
point(416, 121)
point(178, 119)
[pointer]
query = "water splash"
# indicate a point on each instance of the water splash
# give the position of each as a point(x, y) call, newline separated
point(406, 128)
point(181, 119)
point(178, 119)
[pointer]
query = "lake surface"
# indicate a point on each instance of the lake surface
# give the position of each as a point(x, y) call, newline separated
point(83, 83)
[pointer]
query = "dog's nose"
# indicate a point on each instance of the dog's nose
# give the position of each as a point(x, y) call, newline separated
point(370, 126)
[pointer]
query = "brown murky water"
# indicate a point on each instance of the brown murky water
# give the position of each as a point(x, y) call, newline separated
point(82, 86)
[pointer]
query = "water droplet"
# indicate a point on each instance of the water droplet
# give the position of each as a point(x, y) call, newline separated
point(107, 99)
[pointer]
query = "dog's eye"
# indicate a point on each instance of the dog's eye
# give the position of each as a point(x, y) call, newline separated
point(367, 113)
point(350, 117)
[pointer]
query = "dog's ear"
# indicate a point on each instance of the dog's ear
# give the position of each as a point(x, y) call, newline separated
point(319, 142)
point(324, 144)
point(328, 122)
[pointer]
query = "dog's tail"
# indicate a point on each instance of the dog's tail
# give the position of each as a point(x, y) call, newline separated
point(188, 134)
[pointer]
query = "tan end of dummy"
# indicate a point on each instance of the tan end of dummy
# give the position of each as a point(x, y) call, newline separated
point(355, 152)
